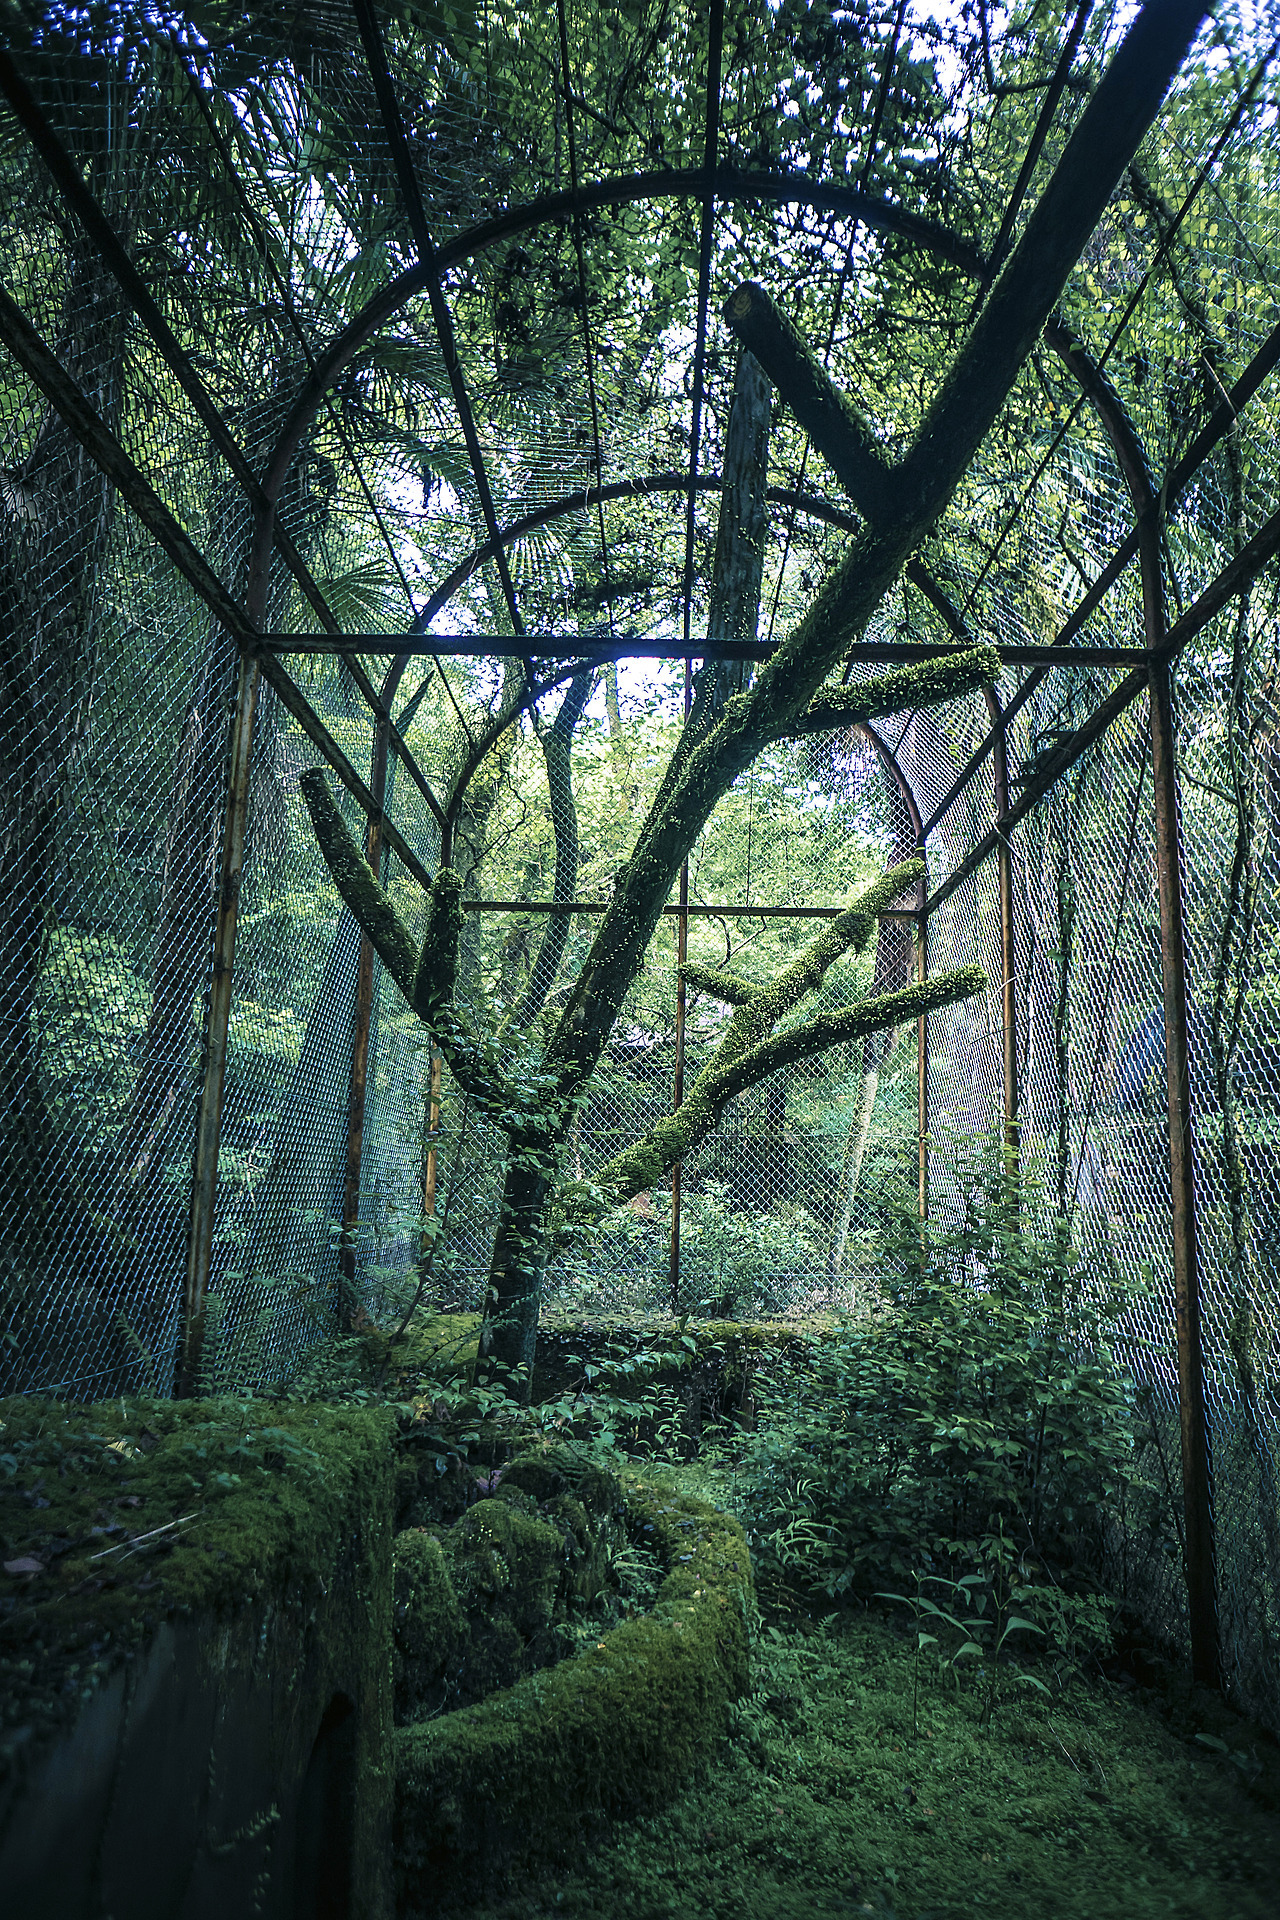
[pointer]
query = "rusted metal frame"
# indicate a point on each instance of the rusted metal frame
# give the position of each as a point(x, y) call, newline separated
point(63, 393)
point(359, 1077)
point(588, 355)
point(715, 47)
point(1243, 103)
point(1193, 1420)
point(693, 908)
point(429, 1175)
point(677, 1085)
point(204, 1170)
point(731, 183)
point(706, 238)
point(1233, 579)
point(1198, 1543)
point(70, 185)
point(402, 162)
point(1008, 945)
point(1170, 493)
point(587, 652)
point(922, 1062)
point(1167, 497)
point(677, 1078)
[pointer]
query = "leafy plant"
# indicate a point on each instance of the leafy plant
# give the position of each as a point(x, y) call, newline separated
point(978, 1418)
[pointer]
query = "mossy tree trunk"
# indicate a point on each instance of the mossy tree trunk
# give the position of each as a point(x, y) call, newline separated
point(788, 698)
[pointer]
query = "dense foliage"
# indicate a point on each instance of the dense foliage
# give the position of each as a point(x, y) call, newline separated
point(979, 1424)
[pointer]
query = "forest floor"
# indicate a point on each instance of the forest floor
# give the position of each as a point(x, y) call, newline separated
point(1107, 1801)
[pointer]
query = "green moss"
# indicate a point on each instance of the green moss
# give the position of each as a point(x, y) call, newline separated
point(507, 1562)
point(483, 1602)
point(1099, 1805)
point(616, 1728)
point(135, 1511)
point(430, 1630)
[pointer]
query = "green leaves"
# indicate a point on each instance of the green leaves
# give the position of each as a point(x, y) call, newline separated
point(977, 1418)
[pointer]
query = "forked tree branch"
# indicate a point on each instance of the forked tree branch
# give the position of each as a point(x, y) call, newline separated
point(425, 975)
point(749, 1049)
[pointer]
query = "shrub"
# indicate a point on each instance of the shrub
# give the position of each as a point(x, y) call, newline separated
point(977, 1418)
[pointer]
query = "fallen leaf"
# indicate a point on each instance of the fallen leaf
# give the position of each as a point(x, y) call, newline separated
point(27, 1564)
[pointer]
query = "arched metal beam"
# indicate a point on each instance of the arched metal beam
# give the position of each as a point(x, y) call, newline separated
point(730, 183)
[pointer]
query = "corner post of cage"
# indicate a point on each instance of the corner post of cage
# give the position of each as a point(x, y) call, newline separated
point(922, 1039)
point(1008, 948)
point(204, 1171)
point(677, 1080)
point(357, 1088)
point(1193, 1417)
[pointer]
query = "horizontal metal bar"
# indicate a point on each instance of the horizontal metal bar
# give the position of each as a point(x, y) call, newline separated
point(716, 913)
point(555, 646)
point(1065, 758)
point(1217, 596)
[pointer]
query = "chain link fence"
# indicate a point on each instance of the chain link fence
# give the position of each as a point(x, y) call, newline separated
point(113, 750)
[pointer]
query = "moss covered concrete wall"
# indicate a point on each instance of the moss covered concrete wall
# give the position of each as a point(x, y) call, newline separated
point(195, 1660)
point(527, 1773)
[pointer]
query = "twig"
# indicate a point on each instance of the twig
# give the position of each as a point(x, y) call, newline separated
point(140, 1539)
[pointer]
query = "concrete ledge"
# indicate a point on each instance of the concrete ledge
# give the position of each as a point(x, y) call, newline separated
point(525, 1774)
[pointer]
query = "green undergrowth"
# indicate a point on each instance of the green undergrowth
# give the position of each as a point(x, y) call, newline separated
point(118, 1515)
point(1105, 1804)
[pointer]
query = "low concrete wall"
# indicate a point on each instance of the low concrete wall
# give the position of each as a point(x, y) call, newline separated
point(230, 1760)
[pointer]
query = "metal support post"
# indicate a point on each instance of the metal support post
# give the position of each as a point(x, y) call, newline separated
point(677, 1085)
point(360, 1041)
point(1196, 1472)
point(1008, 950)
point(922, 1049)
point(429, 1174)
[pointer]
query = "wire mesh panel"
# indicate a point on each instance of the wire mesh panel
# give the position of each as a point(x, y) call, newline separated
point(786, 1201)
point(413, 317)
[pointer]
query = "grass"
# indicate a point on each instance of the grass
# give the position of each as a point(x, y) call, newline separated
point(1106, 1802)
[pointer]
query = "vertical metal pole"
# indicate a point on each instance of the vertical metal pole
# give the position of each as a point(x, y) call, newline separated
point(1196, 1473)
point(360, 1041)
point(922, 1047)
point(433, 1129)
point(1008, 951)
point(204, 1179)
point(677, 1086)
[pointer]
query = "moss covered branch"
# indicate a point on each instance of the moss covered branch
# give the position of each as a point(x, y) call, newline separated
point(749, 1049)
point(641, 1166)
point(945, 677)
point(426, 975)
point(728, 988)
